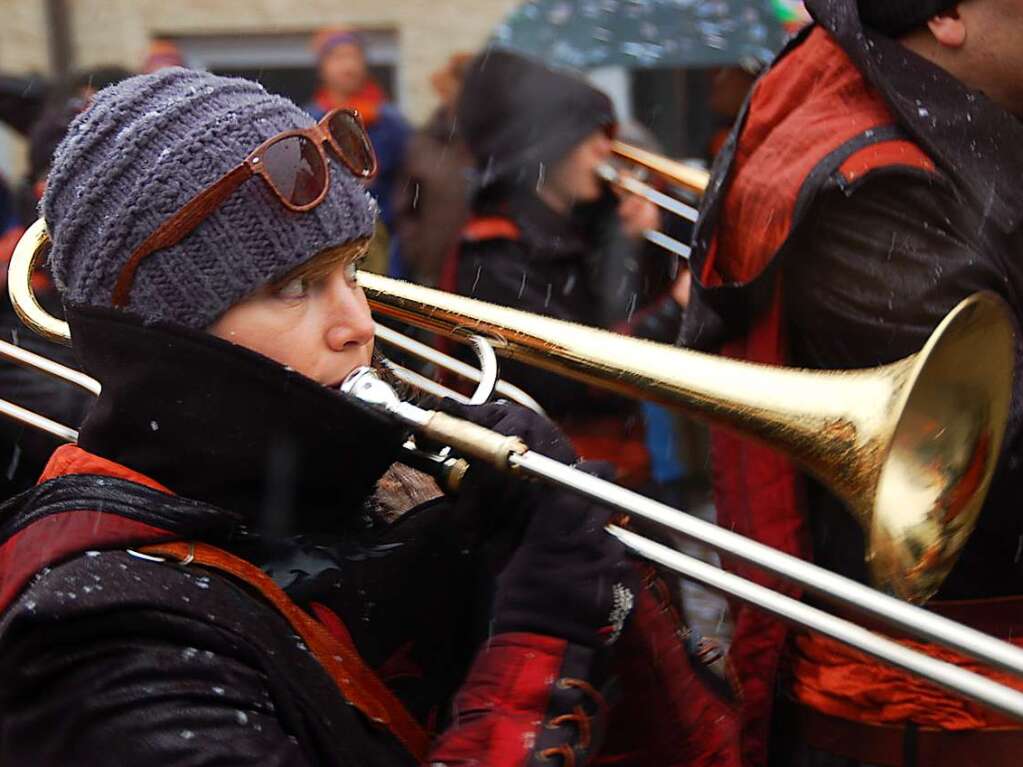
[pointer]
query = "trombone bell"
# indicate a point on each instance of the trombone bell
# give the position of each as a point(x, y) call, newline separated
point(909, 447)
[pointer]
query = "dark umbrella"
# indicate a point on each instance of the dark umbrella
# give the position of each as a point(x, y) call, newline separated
point(644, 33)
point(22, 100)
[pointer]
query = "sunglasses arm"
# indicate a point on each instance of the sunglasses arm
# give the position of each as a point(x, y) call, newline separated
point(177, 227)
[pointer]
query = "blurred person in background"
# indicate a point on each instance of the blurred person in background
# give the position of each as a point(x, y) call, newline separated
point(23, 450)
point(729, 88)
point(432, 198)
point(162, 53)
point(542, 230)
point(345, 82)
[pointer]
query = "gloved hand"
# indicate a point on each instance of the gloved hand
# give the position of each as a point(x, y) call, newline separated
point(568, 578)
point(496, 504)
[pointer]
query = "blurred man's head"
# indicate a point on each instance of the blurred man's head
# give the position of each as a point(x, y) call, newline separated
point(976, 41)
point(521, 119)
point(341, 61)
point(447, 81)
point(162, 54)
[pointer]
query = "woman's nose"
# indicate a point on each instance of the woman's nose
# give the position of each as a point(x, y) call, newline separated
point(350, 322)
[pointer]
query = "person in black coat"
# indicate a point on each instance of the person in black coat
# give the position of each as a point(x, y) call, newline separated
point(209, 575)
point(545, 231)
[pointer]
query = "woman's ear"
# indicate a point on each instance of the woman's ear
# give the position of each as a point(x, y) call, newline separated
point(948, 28)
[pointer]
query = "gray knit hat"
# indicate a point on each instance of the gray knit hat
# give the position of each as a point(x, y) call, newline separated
point(142, 150)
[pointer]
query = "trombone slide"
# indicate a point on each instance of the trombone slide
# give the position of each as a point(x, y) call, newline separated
point(510, 454)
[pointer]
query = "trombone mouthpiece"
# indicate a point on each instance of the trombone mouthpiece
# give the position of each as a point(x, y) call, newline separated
point(366, 385)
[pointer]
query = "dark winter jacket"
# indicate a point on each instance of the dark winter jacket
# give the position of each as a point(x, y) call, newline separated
point(559, 267)
point(107, 657)
point(874, 265)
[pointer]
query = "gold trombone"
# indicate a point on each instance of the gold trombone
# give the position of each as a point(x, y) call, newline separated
point(910, 446)
point(693, 180)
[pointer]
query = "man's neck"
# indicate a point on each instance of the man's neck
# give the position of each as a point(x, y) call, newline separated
point(955, 62)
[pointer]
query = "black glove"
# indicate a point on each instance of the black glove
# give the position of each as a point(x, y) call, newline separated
point(568, 578)
point(495, 503)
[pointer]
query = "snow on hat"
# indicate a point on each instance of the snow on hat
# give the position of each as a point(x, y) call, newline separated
point(147, 146)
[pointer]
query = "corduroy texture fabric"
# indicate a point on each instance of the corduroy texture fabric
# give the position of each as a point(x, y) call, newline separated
point(897, 17)
point(143, 149)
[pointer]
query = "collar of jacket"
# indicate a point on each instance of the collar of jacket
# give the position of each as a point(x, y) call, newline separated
point(218, 423)
point(552, 235)
point(977, 142)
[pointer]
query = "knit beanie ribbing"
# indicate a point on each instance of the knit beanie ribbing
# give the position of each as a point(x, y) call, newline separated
point(895, 18)
point(143, 149)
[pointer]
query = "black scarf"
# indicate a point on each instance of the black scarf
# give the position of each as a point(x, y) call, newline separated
point(218, 423)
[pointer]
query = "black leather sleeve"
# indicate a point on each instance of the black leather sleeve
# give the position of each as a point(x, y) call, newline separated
point(114, 690)
point(873, 272)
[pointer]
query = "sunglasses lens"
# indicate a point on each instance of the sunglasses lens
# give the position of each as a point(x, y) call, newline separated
point(351, 140)
point(295, 169)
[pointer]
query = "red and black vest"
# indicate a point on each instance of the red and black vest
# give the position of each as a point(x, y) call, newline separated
point(811, 122)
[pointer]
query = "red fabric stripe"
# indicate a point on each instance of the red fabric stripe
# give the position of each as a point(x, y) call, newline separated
point(490, 228)
point(793, 124)
point(57, 537)
point(71, 459)
point(885, 154)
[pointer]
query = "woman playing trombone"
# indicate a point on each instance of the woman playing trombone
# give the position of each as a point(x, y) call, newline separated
point(208, 575)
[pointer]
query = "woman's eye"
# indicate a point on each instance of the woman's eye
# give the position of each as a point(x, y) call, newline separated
point(293, 289)
point(352, 270)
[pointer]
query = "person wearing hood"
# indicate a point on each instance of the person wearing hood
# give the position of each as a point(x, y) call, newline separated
point(871, 183)
point(209, 575)
point(345, 82)
point(542, 229)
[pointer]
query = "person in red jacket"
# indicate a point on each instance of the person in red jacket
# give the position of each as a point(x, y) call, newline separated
point(871, 183)
point(345, 81)
point(206, 576)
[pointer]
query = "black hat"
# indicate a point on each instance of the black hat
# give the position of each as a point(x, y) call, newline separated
point(897, 17)
point(518, 115)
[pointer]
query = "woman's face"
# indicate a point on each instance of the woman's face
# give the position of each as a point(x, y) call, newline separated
point(575, 177)
point(318, 325)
